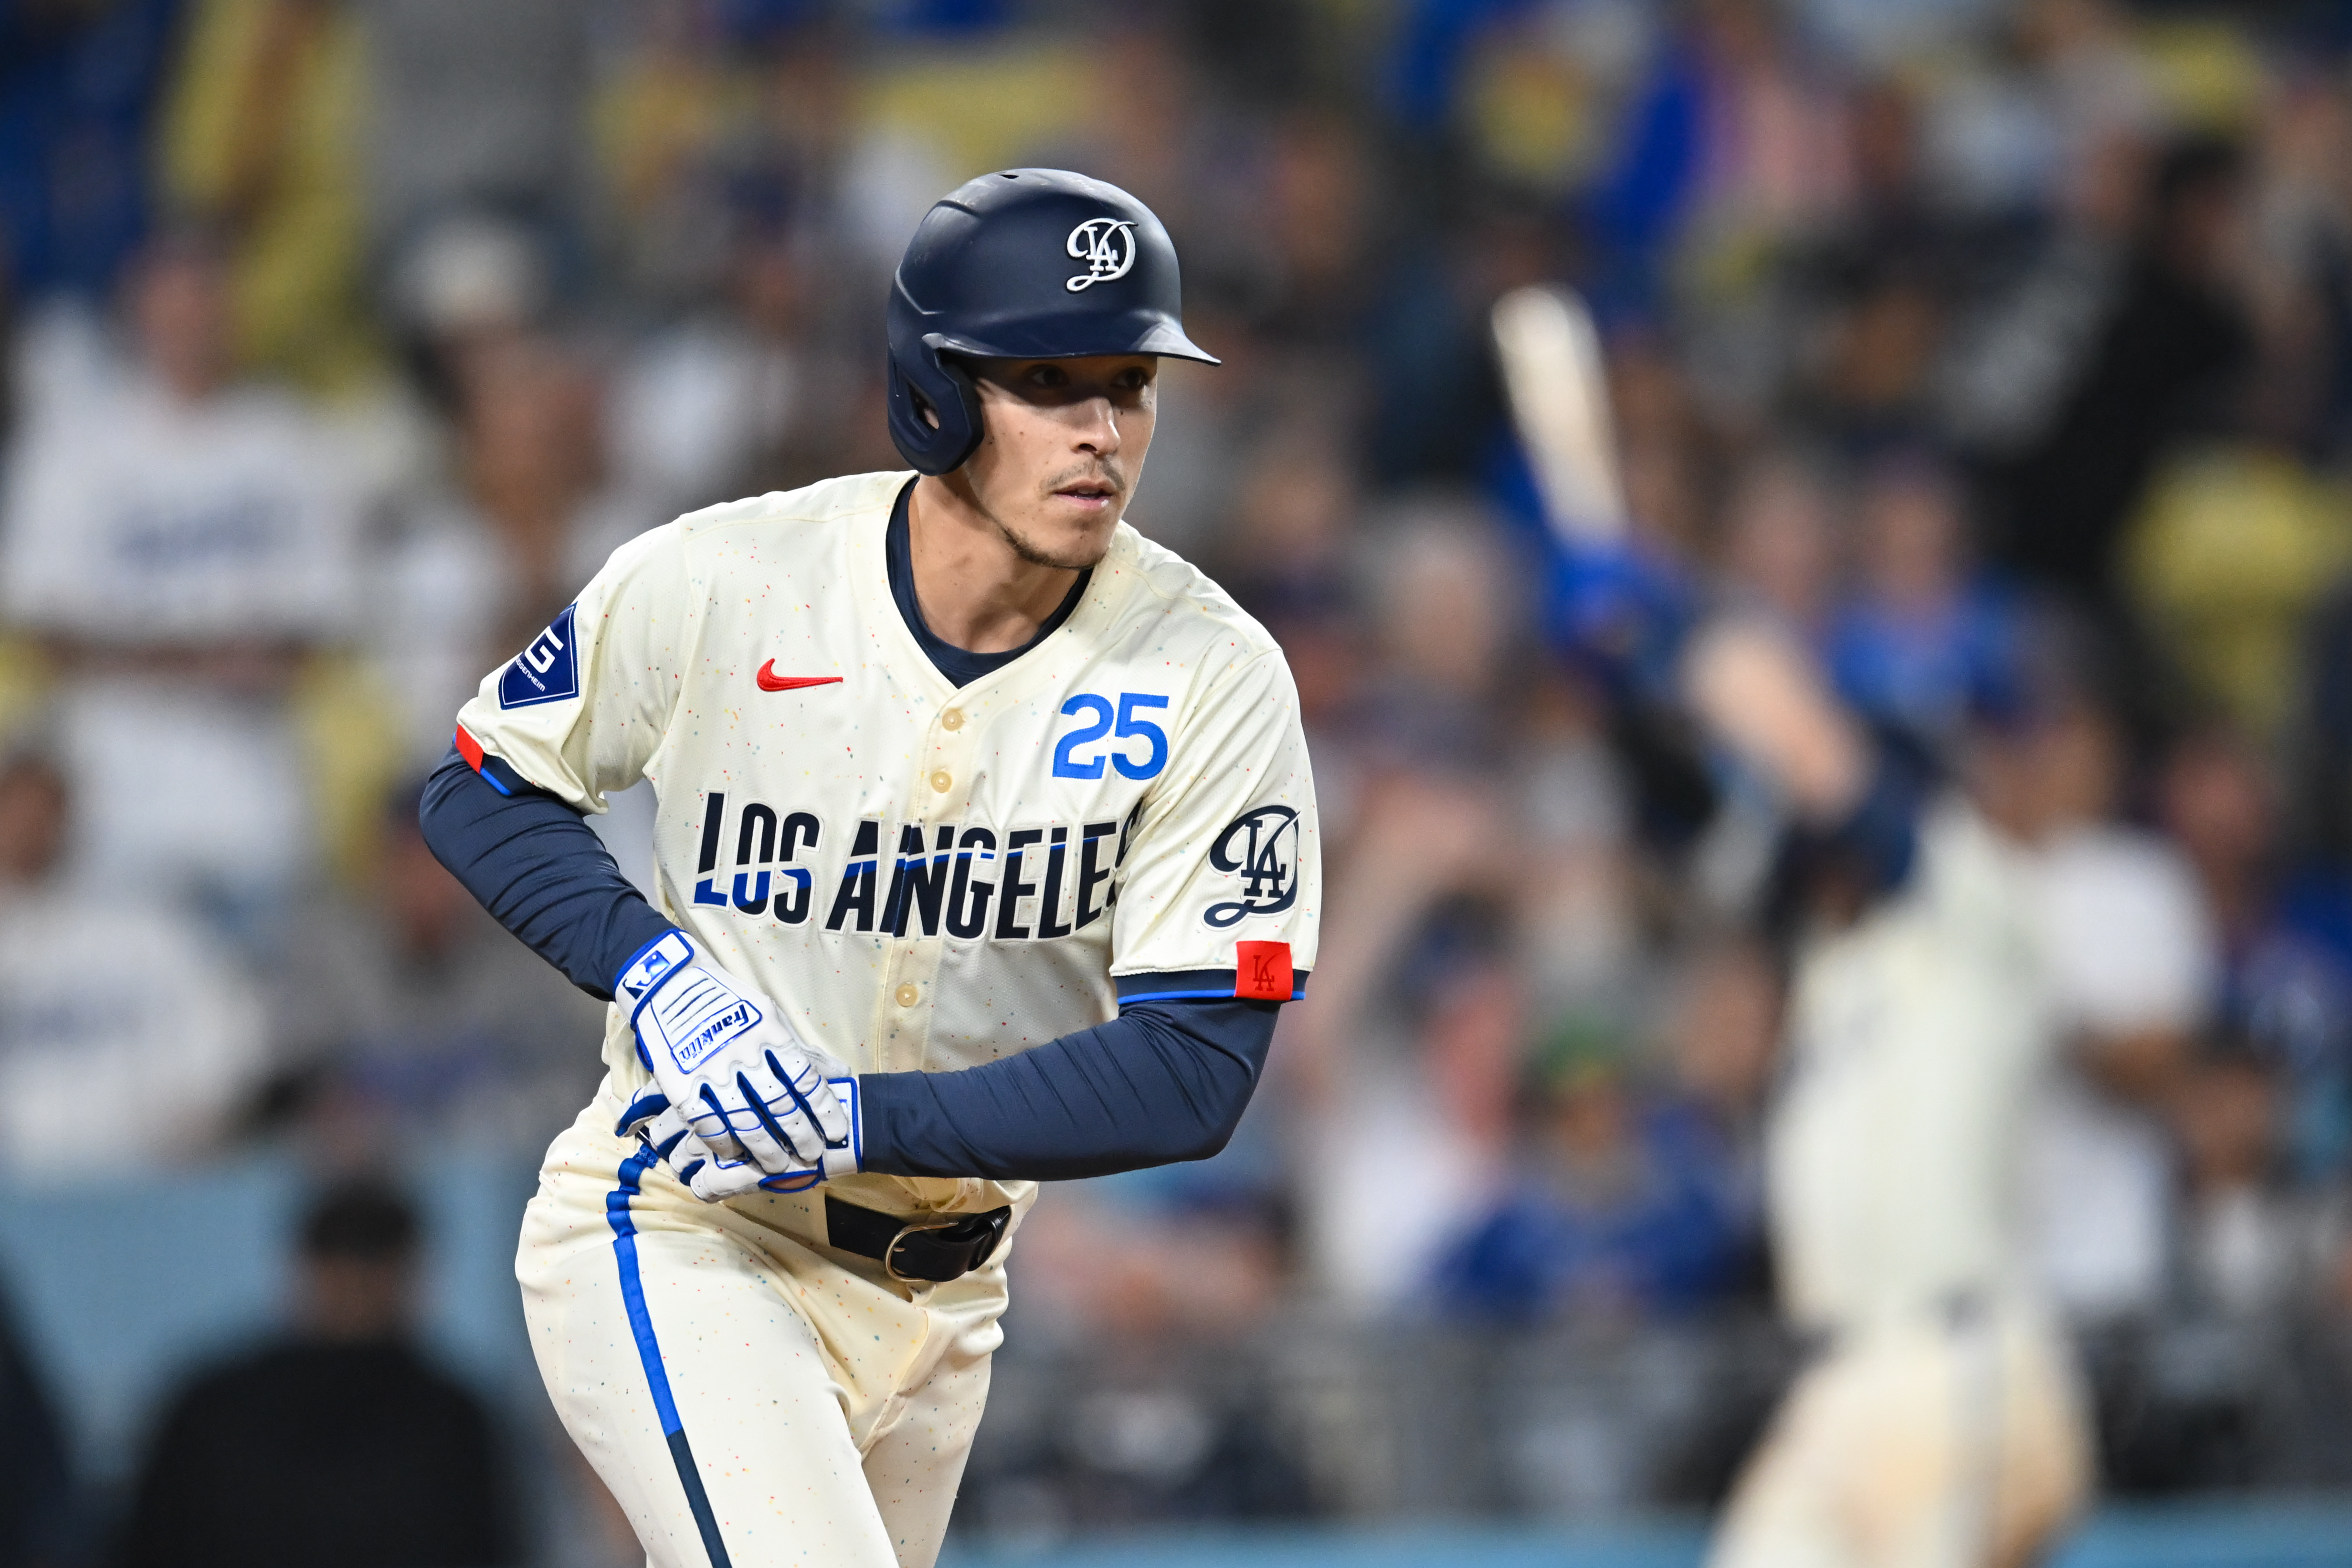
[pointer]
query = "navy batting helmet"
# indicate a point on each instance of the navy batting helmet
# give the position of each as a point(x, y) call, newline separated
point(1029, 263)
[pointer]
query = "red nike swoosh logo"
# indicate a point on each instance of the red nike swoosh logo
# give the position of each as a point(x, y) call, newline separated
point(771, 682)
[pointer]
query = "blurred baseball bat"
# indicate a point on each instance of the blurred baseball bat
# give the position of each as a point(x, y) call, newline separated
point(1560, 401)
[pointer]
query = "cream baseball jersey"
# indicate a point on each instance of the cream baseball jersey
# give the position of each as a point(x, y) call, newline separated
point(1916, 1040)
point(926, 877)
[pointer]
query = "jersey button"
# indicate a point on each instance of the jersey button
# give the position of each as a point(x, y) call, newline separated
point(941, 780)
point(951, 720)
point(907, 995)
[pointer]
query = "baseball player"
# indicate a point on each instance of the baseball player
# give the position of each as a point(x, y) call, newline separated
point(1938, 1423)
point(985, 855)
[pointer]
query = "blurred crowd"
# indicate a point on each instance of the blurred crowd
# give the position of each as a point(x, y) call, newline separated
point(1980, 341)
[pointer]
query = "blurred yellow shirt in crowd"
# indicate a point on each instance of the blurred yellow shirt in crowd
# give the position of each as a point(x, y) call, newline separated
point(261, 135)
point(2225, 562)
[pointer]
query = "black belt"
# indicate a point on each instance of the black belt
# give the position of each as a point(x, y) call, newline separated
point(927, 1248)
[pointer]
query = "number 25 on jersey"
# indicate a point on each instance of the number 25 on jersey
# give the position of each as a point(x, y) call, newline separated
point(1121, 725)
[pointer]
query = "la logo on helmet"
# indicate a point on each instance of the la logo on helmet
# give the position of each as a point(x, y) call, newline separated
point(1107, 247)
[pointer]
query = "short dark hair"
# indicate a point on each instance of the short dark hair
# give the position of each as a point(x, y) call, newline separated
point(359, 1218)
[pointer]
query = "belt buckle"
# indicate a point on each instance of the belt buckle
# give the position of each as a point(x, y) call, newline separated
point(917, 1227)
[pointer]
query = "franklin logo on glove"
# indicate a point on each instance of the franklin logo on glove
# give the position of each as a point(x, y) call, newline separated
point(700, 1019)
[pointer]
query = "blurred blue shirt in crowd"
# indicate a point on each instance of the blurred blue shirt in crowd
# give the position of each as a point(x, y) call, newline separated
point(77, 89)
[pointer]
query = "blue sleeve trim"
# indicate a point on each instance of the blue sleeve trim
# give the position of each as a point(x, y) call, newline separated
point(1224, 995)
point(495, 770)
point(506, 780)
point(1193, 985)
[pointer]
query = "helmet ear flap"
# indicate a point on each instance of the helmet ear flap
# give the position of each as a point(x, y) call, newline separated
point(935, 383)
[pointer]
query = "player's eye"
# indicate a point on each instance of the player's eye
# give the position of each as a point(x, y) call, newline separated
point(1048, 376)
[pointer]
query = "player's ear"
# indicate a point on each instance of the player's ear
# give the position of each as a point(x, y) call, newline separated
point(924, 411)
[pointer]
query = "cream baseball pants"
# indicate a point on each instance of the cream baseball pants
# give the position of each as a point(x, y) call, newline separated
point(1921, 1443)
point(752, 1396)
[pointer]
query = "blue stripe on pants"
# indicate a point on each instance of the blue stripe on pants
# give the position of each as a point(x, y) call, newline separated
point(641, 1325)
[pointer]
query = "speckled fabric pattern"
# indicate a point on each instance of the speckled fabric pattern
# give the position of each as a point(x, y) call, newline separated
point(825, 1410)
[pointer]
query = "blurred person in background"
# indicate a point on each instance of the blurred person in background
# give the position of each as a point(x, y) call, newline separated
point(2200, 1394)
point(1873, 376)
point(1723, 1057)
point(402, 1012)
point(1869, 296)
point(1575, 904)
point(724, 401)
point(107, 999)
point(1275, 511)
point(2321, 779)
point(2286, 977)
point(2246, 527)
point(1428, 1012)
point(1616, 1207)
point(1288, 535)
point(2172, 336)
point(1316, 228)
point(261, 144)
point(2133, 971)
point(263, 140)
point(711, 115)
point(1446, 1052)
point(472, 114)
point(1783, 539)
point(79, 86)
point(338, 1442)
point(1285, 549)
point(1918, 636)
point(182, 541)
point(2252, 1247)
point(2238, 544)
point(1938, 1421)
point(1214, 425)
point(2242, 531)
point(1198, 1254)
point(39, 1503)
point(1158, 1299)
point(532, 505)
point(1733, 139)
point(474, 570)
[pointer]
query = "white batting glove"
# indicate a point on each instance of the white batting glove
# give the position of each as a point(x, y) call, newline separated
point(746, 1088)
point(654, 1121)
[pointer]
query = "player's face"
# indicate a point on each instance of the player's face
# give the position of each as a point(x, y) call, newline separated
point(1062, 447)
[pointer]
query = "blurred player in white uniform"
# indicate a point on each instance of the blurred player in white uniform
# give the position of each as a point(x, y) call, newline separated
point(1938, 1423)
point(985, 852)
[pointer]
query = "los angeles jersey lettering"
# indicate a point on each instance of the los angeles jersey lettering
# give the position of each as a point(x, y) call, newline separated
point(923, 877)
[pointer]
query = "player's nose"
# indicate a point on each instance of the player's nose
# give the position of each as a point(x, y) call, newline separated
point(1095, 428)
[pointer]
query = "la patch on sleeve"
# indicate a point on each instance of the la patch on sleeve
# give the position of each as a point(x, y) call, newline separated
point(1262, 971)
point(546, 672)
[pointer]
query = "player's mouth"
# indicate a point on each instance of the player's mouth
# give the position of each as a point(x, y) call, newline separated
point(1096, 496)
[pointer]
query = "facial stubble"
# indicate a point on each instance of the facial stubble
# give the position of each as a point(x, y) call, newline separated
point(1029, 550)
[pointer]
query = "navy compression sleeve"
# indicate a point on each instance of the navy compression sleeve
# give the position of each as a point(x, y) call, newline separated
point(1163, 1081)
point(537, 865)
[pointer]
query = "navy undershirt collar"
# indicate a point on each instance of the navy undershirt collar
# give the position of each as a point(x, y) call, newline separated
point(960, 666)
